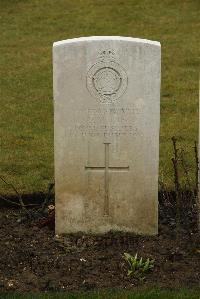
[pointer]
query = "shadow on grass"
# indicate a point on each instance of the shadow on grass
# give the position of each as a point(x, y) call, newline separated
point(31, 198)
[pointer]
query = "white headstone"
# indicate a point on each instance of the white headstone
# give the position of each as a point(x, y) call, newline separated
point(107, 113)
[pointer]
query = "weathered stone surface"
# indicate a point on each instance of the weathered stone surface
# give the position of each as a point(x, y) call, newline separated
point(107, 112)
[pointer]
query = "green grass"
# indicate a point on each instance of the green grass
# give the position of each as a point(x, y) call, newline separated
point(145, 294)
point(28, 29)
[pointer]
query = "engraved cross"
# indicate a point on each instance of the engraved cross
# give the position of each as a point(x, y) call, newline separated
point(106, 170)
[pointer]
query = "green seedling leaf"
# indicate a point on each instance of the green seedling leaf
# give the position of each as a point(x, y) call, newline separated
point(137, 267)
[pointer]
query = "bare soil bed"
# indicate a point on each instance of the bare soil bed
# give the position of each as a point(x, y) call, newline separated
point(32, 258)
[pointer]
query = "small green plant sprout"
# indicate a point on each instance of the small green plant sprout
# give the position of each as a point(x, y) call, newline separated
point(137, 266)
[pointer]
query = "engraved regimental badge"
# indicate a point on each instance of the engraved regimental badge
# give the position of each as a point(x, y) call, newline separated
point(106, 79)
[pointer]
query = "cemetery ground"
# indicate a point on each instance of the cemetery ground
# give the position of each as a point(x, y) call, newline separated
point(32, 258)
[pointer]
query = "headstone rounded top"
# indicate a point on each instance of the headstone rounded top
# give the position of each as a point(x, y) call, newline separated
point(104, 38)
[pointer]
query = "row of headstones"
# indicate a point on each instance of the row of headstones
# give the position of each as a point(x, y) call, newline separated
point(107, 114)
